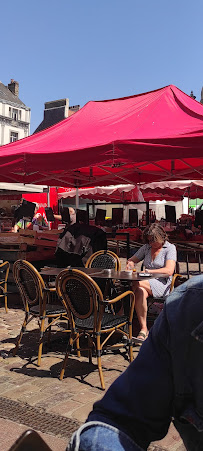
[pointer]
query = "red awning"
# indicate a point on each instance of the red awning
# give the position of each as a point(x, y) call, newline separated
point(172, 190)
point(151, 136)
point(112, 193)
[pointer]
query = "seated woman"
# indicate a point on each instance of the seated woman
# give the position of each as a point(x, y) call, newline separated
point(158, 255)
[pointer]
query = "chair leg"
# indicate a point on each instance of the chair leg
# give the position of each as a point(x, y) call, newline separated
point(41, 342)
point(49, 332)
point(23, 328)
point(69, 348)
point(78, 346)
point(99, 362)
point(6, 299)
point(89, 349)
point(6, 304)
point(130, 331)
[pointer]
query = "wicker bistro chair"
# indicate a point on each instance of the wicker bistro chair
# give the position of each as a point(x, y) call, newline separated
point(4, 272)
point(83, 300)
point(107, 260)
point(104, 259)
point(35, 296)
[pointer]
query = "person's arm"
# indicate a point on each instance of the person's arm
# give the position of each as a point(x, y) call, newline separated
point(59, 217)
point(131, 263)
point(136, 258)
point(15, 228)
point(168, 269)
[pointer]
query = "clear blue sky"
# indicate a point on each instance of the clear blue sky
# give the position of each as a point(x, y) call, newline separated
point(90, 49)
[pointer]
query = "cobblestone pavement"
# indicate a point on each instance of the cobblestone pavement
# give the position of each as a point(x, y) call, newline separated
point(22, 381)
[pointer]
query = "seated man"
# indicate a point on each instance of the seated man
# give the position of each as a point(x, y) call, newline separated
point(163, 384)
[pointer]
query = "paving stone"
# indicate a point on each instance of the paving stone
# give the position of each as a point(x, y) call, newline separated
point(46, 383)
point(73, 385)
point(50, 401)
point(82, 412)
point(34, 398)
point(86, 396)
point(5, 387)
point(65, 408)
point(15, 393)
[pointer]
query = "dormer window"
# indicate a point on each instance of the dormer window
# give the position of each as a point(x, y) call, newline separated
point(13, 137)
point(15, 114)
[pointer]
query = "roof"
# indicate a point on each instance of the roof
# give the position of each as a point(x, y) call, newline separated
point(7, 96)
point(52, 117)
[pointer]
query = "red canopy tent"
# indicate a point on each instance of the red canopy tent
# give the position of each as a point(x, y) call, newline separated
point(152, 136)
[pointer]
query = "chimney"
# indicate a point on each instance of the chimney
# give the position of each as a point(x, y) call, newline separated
point(192, 95)
point(13, 86)
point(201, 101)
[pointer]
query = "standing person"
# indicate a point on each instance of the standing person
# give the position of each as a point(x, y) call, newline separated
point(38, 219)
point(158, 255)
point(72, 216)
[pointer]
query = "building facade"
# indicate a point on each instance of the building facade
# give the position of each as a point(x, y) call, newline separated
point(14, 114)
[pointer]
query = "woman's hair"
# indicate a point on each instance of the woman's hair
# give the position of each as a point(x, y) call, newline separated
point(156, 232)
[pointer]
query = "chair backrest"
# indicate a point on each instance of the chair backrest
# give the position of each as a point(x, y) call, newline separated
point(178, 279)
point(29, 282)
point(104, 259)
point(30, 440)
point(79, 294)
point(4, 271)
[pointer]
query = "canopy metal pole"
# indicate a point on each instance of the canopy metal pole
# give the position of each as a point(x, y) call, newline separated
point(48, 205)
point(77, 198)
point(188, 199)
point(48, 197)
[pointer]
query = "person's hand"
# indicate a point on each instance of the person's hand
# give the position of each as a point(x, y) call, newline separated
point(130, 265)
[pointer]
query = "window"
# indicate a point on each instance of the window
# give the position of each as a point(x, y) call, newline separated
point(15, 114)
point(13, 137)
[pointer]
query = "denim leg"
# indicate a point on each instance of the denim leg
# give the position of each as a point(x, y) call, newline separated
point(98, 436)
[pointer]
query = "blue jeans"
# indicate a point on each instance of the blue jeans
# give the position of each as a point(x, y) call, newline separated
point(98, 436)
